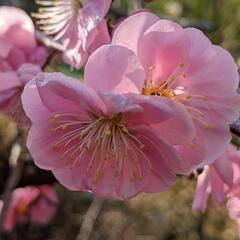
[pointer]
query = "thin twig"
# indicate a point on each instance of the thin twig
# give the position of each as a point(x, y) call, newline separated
point(17, 165)
point(48, 41)
point(89, 219)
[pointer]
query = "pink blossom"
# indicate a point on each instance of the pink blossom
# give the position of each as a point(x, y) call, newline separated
point(218, 179)
point(182, 66)
point(222, 181)
point(20, 59)
point(78, 25)
point(96, 137)
point(18, 44)
point(36, 204)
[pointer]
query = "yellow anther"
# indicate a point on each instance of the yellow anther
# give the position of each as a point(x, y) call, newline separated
point(130, 179)
point(125, 130)
point(116, 174)
point(192, 145)
point(203, 98)
point(135, 174)
point(53, 121)
point(151, 168)
point(107, 132)
point(142, 146)
point(181, 65)
point(63, 127)
point(100, 174)
point(189, 96)
point(141, 178)
point(152, 68)
point(94, 181)
point(184, 75)
point(207, 126)
point(55, 147)
point(81, 135)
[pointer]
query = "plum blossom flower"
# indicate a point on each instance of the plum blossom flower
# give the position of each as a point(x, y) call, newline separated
point(217, 179)
point(78, 24)
point(20, 60)
point(17, 40)
point(96, 137)
point(182, 66)
point(222, 181)
point(36, 204)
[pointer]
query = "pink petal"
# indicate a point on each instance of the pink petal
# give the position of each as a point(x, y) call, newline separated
point(224, 169)
point(16, 57)
point(215, 66)
point(102, 6)
point(101, 37)
point(41, 137)
point(217, 188)
point(130, 30)
point(193, 153)
point(19, 28)
point(32, 103)
point(65, 93)
point(49, 192)
point(201, 192)
point(27, 71)
point(114, 69)
point(164, 26)
point(7, 46)
point(42, 211)
point(9, 80)
point(164, 52)
point(179, 129)
point(65, 176)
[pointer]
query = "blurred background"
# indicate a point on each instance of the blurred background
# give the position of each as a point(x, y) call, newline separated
point(163, 216)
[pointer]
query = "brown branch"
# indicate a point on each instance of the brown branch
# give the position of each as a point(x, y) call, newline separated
point(17, 165)
point(89, 219)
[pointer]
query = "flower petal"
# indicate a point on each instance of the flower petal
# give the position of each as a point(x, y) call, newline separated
point(163, 52)
point(136, 24)
point(114, 69)
point(201, 192)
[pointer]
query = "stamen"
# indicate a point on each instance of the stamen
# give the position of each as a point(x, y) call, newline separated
point(53, 17)
point(104, 139)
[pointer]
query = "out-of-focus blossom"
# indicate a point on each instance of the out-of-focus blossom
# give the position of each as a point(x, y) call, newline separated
point(36, 204)
point(18, 44)
point(182, 66)
point(78, 25)
point(217, 179)
point(222, 181)
point(95, 136)
point(20, 60)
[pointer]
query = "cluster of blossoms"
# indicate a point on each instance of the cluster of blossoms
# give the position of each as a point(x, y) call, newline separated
point(37, 204)
point(156, 102)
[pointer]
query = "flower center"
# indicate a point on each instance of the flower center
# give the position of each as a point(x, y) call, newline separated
point(98, 141)
point(177, 93)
